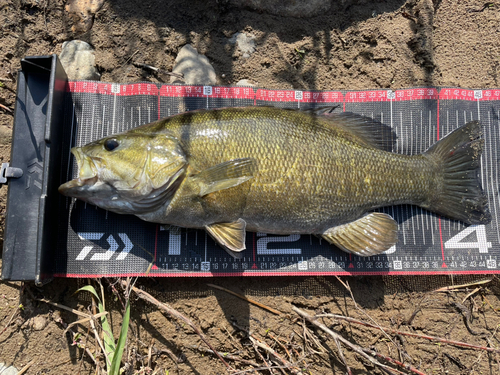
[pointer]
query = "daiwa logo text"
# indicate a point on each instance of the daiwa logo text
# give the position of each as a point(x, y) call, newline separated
point(113, 246)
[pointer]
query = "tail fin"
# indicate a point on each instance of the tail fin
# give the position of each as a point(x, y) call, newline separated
point(459, 194)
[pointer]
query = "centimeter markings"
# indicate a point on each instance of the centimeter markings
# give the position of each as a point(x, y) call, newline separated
point(415, 126)
point(493, 173)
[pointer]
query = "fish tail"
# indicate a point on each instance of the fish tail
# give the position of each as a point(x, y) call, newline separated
point(458, 194)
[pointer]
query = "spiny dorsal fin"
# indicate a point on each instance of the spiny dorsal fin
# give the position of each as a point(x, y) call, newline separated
point(231, 236)
point(368, 131)
point(322, 110)
point(370, 235)
point(225, 175)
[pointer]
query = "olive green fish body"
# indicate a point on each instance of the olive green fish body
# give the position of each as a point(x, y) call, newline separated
point(280, 171)
point(309, 176)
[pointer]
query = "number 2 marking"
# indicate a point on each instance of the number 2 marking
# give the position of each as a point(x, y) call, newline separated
point(262, 245)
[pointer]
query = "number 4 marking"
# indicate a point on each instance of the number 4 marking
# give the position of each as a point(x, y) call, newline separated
point(482, 244)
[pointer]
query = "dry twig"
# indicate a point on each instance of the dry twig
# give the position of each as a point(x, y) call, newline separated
point(85, 315)
point(341, 353)
point(259, 370)
point(158, 70)
point(354, 347)
point(126, 62)
point(246, 299)
point(163, 306)
point(6, 108)
point(84, 320)
point(454, 287)
point(86, 350)
point(281, 345)
point(470, 294)
point(389, 359)
point(173, 357)
point(261, 344)
point(308, 335)
point(25, 368)
point(395, 331)
point(466, 314)
point(268, 367)
point(226, 356)
point(14, 314)
point(278, 358)
point(481, 354)
point(346, 285)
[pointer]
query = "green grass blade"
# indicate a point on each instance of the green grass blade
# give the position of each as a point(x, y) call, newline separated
point(91, 289)
point(109, 340)
point(120, 345)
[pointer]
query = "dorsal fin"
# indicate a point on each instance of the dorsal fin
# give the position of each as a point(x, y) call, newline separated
point(369, 132)
point(366, 131)
point(322, 110)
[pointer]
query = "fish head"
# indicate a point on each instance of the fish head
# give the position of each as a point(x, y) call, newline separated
point(127, 173)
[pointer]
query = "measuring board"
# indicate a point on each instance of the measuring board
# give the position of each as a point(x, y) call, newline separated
point(94, 242)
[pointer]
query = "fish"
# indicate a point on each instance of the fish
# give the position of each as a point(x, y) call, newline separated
point(280, 171)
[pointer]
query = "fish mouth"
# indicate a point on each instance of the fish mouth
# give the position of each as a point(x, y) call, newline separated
point(87, 176)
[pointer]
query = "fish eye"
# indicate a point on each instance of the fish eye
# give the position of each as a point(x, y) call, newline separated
point(111, 144)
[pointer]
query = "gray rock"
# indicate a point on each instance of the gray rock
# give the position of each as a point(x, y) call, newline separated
point(5, 135)
point(7, 370)
point(39, 323)
point(245, 82)
point(78, 60)
point(196, 68)
point(245, 43)
point(287, 8)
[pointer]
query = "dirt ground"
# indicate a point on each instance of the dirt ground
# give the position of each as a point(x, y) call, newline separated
point(371, 44)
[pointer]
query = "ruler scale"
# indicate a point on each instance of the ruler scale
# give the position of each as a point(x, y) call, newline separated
point(100, 243)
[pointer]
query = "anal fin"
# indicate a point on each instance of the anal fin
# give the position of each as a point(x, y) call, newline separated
point(231, 236)
point(370, 235)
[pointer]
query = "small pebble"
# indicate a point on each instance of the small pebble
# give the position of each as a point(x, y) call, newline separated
point(245, 82)
point(39, 323)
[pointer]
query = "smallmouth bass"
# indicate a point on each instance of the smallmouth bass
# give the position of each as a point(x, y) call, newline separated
point(279, 171)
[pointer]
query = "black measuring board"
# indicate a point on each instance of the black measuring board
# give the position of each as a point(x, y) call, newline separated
point(33, 173)
point(95, 242)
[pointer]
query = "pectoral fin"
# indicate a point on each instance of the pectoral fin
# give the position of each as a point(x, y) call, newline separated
point(370, 235)
point(231, 236)
point(225, 175)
